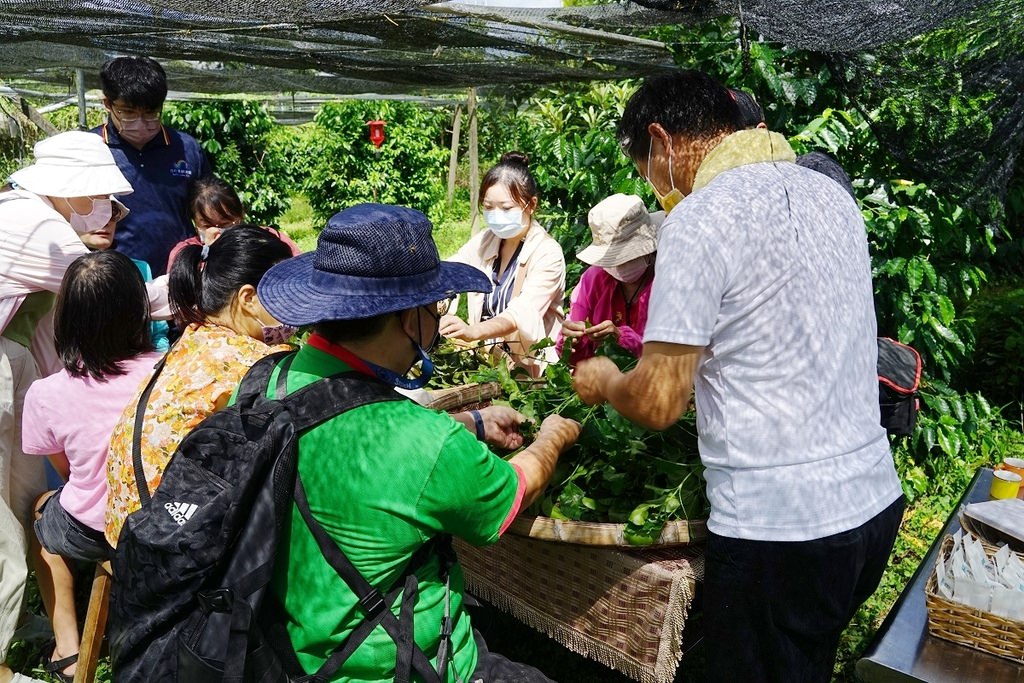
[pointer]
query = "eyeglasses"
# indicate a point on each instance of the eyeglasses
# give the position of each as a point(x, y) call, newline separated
point(117, 211)
point(203, 225)
point(133, 116)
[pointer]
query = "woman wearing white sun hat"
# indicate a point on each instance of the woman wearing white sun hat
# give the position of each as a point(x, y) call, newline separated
point(65, 194)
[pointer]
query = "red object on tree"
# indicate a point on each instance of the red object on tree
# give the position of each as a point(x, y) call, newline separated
point(376, 132)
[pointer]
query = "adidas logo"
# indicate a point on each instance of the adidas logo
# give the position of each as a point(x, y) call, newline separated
point(181, 512)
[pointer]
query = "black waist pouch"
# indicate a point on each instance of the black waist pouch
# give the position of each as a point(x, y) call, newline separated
point(899, 377)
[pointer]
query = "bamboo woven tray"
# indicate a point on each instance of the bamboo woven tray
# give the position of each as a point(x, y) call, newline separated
point(675, 533)
point(968, 626)
point(454, 398)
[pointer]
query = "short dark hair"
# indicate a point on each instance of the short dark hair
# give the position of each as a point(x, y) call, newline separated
point(826, 165)
point(102, 315)
point(751, 112)
point(687, 102)
point(512, 171)
point(136, 81)
point(199, 288)
point(211, 195)
point(341, 331)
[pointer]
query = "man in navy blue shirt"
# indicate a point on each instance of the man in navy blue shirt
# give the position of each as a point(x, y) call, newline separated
point(160, 163)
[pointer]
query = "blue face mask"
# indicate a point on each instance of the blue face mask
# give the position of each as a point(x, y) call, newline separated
point(426, 365)
point(401, 381)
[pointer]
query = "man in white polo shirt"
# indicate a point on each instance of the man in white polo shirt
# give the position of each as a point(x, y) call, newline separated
point(762, 302)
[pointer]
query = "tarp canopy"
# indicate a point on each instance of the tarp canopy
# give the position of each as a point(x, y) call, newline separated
point(391, 46)
point(873, 50)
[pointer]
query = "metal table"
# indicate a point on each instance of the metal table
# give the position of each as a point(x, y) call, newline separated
point(902, 650)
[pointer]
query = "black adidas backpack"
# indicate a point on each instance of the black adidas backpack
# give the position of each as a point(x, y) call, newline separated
point(192, 567)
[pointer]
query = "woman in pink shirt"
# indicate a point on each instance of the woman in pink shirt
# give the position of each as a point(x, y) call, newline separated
point(611, 297)
point(101, 329)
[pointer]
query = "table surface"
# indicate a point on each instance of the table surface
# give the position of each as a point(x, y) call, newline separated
point(903, 650)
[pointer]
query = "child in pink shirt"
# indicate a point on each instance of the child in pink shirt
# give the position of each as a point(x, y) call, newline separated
point(101, 330)
point(215, 207)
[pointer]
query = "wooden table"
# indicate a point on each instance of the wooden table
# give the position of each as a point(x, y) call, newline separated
point(902, 650)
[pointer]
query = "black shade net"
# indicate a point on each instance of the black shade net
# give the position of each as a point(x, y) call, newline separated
point(873, 48)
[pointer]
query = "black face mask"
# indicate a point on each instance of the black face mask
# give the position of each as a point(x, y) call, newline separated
point(437, 331)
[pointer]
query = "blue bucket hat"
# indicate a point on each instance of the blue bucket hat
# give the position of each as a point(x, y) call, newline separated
point(371, 259)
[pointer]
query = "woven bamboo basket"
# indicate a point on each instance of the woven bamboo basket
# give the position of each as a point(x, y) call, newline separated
point(969, 626)
point(675, 533)
point(986, 534)
point(454, 398)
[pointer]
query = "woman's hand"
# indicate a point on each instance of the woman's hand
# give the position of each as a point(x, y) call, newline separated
point(574, 328)
point(602, 330)
point(452, 326)
point(577, 329)
point(212, 234)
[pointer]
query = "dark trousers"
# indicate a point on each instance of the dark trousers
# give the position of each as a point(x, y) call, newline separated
point(774, 611)
point(493, 668)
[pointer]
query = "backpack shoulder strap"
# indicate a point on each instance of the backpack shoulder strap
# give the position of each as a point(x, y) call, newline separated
point(140, 417)
point(375, 605)
point(257, 380)
point(308, 407)
point(331, 396)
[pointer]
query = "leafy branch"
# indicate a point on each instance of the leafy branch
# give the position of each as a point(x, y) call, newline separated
point(618, 471)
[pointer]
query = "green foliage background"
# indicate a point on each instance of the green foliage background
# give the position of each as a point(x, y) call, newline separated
point(342, 167)
point(236, 135)
point(946, 262)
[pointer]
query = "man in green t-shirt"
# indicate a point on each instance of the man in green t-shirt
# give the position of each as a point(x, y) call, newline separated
point(385, 478)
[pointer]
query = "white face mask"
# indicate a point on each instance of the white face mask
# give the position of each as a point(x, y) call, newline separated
point(96, 219)
point(504, 223)
point(630, 271)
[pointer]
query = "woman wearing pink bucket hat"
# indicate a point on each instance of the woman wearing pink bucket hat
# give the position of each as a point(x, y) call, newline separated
point(56, 203)
point(611, 297)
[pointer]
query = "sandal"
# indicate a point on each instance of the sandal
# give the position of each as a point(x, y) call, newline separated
point(55, 667)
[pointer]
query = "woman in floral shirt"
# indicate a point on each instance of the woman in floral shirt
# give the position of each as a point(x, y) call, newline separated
point(213, 290)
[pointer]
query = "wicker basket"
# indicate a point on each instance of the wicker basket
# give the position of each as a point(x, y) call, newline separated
point(456, 398)
point(969, 626)
point(680, 532)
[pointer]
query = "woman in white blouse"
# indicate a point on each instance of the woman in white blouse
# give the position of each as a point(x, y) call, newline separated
point(61, 200)
point(526, 267)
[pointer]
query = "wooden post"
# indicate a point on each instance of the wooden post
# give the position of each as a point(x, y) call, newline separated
point(453, 160)
point(34, 116)
point(95, 625)
point(80, 81)
point(474, 163)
